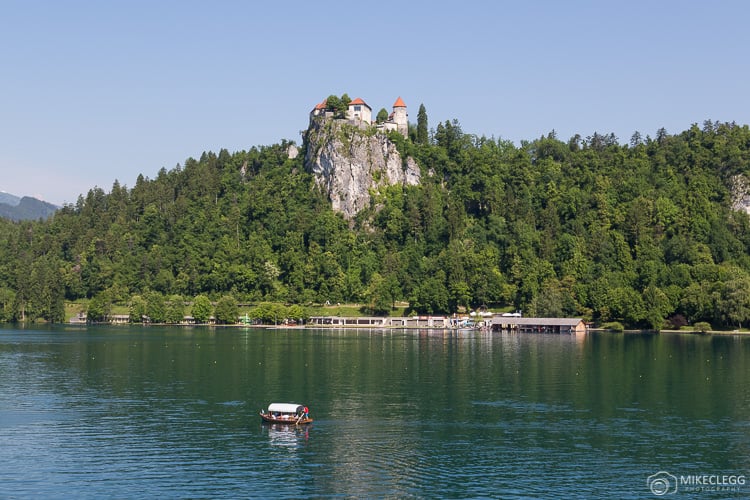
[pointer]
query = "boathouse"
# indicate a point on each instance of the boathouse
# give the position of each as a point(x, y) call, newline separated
point(572, 326)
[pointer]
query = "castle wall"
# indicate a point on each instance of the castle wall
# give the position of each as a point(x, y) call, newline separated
point(388, 126)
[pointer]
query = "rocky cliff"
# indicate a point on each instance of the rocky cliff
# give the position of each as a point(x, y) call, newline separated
point(740, 190)
point(351, 162)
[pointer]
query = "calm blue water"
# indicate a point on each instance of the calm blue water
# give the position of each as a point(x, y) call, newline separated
point(172, 412)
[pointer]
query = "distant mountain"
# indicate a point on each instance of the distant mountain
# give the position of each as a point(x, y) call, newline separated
point(26, 208)
point(9, 199)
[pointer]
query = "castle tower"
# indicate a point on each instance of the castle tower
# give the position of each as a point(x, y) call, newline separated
point(400, 117)
point(359, 112)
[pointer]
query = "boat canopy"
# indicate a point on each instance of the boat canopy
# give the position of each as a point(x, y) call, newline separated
point(285, 408)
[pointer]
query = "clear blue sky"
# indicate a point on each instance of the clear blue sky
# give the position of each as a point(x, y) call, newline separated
point(93, 91)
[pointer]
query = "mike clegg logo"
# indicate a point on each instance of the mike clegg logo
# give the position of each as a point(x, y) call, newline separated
point(663, 483)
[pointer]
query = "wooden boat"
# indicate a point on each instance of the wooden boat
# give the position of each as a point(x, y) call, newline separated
point(286, 413)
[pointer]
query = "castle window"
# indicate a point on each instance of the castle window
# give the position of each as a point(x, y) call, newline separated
point(357, 109)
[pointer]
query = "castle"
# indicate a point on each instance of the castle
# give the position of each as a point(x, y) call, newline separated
point(360, 113)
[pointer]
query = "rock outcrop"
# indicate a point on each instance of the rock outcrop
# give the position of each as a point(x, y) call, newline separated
point(740, 190)
point(351, 162)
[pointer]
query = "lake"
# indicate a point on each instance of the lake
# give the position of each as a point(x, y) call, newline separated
point(93, 412)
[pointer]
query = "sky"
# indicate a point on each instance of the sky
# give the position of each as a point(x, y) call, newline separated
point(97, 91)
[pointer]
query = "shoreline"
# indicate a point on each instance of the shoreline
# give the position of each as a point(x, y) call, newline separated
point(386, 327)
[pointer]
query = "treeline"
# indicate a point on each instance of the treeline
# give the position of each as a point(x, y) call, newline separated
point(642, 233)
point(154, 307)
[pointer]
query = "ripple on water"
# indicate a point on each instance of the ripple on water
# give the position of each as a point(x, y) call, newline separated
point(398, 416)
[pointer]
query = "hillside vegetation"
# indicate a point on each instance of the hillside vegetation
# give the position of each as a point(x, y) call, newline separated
point(643, 234)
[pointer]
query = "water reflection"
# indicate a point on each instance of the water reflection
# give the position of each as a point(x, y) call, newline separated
point(286, 435)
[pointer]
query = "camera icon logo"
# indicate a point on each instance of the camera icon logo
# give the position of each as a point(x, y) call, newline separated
point(662, 483)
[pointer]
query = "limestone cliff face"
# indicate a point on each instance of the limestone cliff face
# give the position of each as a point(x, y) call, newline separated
point(350, 162)
point(740, 189)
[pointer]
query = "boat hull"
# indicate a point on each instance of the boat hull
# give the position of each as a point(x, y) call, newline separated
point(290, 420)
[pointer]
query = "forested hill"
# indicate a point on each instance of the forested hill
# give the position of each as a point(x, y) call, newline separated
point(642, 233)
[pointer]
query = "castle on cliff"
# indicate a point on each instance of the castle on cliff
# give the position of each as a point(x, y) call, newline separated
point(360, 113)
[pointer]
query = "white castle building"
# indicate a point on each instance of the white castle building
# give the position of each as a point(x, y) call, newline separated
point(360, 113)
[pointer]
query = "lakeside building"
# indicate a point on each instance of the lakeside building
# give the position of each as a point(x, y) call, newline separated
point(495, 323)
point(574, 326)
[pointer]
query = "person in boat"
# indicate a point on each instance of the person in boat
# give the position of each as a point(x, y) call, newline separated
point(306, 412)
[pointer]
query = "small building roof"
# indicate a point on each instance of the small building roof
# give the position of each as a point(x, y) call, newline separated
point(399, 103)
point(321, 105)
point(359, 101)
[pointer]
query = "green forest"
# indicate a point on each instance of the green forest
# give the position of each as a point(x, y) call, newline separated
point(642, 233)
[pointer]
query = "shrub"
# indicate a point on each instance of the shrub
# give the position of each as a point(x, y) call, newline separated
point(614, 326)
point(702, 327)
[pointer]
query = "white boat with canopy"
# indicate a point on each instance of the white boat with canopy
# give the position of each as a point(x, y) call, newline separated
point(286, 413)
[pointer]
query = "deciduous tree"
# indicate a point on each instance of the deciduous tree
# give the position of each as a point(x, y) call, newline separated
point(201, 309)
point(226, 310)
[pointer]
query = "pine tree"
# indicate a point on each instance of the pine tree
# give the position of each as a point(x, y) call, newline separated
point(422, 136)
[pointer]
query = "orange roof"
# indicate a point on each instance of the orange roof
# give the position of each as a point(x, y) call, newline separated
point(321, 105)
point(399, 103)
point(358, 100)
